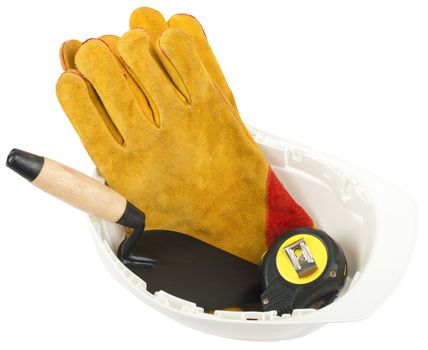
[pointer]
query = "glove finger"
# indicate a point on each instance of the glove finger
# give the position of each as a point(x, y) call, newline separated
point(69, 48)
point(109, 78)
point(181, 61)
point(151, 20)
point(88, 116)
point(135, 52)
point(67, 53)
point(112, 42)
point(191, 26)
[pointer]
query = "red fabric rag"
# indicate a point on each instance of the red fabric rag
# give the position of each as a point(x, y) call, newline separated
point(283, 213)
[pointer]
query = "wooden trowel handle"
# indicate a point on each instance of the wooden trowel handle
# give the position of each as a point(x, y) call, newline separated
point(75, 188)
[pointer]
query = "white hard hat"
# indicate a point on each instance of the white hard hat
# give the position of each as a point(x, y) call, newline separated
point(364, 214)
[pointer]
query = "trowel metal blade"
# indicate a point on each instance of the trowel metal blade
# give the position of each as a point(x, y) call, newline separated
point(193, 270)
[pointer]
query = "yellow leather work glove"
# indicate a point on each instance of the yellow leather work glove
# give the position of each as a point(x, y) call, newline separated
point(163, 133)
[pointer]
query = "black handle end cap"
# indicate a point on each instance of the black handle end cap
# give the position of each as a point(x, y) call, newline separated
point(26, 164)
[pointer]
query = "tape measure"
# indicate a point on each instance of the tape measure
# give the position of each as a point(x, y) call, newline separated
point(304, 268)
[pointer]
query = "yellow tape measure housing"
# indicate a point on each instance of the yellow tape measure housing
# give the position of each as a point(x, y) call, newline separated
point(318, 251)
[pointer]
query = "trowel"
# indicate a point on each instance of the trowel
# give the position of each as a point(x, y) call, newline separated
point(171, 261)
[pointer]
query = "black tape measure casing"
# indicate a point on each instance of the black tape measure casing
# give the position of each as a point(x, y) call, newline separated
point(284, 289)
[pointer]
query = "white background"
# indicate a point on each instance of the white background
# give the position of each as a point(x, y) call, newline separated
point(349, 79)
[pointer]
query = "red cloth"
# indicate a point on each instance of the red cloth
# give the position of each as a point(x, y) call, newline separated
point(283, 213)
